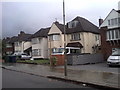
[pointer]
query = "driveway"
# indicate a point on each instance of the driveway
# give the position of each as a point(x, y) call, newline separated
point(100, 67)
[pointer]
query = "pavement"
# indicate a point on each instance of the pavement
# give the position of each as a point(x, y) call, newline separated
point(96, 74)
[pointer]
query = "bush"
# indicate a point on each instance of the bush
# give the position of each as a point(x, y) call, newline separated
point(54, 60)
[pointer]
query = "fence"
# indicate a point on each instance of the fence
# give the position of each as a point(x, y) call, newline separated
point(84, 59)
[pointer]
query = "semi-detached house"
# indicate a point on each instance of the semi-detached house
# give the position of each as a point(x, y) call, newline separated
point(40, 44)
point(80, 33)
point(23, 43)
point(110, 33)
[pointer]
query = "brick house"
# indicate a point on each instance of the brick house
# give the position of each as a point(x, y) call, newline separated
point(110, 33)
point(8, 45)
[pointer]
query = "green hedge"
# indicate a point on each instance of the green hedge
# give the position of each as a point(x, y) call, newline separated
point(34, 61)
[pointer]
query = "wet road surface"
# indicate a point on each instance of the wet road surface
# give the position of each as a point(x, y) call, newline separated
point(12, 79)
point(98, 74)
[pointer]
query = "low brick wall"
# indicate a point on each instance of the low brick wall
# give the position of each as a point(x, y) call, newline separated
point(60, 59)
point(84, 59)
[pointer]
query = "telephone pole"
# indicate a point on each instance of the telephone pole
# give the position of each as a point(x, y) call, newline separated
point(65, 60)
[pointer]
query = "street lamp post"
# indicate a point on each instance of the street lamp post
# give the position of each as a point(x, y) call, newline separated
point(65, 60)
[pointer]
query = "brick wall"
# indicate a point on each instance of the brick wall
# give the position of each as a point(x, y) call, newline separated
point(60, 59)
point(106, 46)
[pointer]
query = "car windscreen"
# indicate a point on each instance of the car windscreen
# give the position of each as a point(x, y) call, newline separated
point(116, 53)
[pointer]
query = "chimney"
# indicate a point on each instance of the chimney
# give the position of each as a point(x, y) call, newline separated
point(100, 21)
point(21, 33)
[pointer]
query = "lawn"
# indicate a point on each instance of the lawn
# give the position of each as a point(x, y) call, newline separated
point(34, 61)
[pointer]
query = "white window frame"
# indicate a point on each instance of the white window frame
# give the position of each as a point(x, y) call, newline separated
point(36, 52)
point(75, 36)
point(113, 34)
point(54, 37)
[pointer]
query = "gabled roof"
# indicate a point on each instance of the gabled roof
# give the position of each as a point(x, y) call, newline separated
point(24, 37)
point(43, 32)
point(83, 26)
point(112, 11)
point(60, 26)
point(13, 39)
point(10, 39)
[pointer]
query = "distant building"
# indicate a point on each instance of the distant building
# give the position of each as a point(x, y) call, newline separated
point(23, 43)
point(8, 45)
point(110, 33)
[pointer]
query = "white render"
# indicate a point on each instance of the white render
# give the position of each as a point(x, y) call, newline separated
point(111, 15)
point(23, 45)
point(87, 40)
point(43, 46)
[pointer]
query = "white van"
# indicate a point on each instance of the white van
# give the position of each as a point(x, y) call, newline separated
point(69, 50)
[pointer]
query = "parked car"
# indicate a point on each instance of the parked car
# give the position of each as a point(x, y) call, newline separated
point(25, 56)
point(22, 56)
point(114, 59)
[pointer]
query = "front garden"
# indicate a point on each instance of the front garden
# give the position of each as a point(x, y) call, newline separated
point(46, 61)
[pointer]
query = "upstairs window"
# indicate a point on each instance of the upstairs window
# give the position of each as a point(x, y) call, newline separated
point(54, 37)
point(96, 37)
point(72, 24)
point(36, 40)
point(8, 45)
point(75, 36)
point(17, 44)
point(114, 21)
point(113, 34)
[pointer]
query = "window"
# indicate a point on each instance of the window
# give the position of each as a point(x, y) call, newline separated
point(17, 44)
point(72, 24)
point(75, 36)
point(57, 50)
point(8, 45)
point(113, 34)
point(36, 52)
point(108, 22)
point(114, 21)
point(96, 37)
point(54, 37)
point(36, 40)
point(119, 20)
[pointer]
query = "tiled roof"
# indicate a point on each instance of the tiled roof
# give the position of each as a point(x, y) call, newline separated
point(43, 32)
point(83, 26)
point(13, 39)
point(24, 37)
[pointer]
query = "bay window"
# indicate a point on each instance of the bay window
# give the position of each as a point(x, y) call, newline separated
point(113, 34)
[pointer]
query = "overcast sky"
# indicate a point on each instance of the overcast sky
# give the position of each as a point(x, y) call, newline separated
point(31, 15)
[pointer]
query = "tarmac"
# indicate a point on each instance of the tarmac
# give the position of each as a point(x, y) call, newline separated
point(86, 74)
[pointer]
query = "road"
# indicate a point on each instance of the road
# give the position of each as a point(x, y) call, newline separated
point(13, 79)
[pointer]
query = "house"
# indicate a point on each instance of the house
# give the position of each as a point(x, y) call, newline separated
point(23, 43)
point(83, 34)
point(56, 38)
point(110, 33)
point(8, 45)
point(80, 33)
point(40, 44)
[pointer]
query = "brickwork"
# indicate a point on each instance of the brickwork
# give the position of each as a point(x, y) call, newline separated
point(106, 46)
